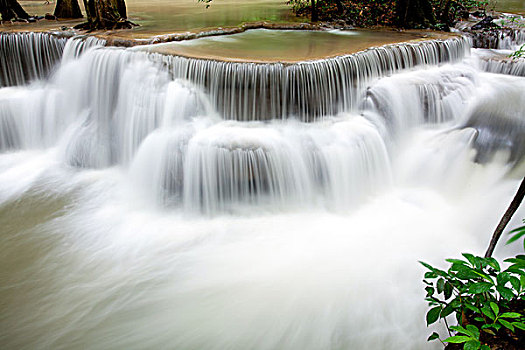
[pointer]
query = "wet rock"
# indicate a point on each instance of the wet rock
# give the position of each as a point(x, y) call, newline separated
point(485, 23)
point(478, 14)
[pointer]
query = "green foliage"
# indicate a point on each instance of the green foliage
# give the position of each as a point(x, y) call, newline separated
point(298, 5)
point(520, 231)
point(362, 13)
point(207, 2)
point(480, 294)
point(470, 338)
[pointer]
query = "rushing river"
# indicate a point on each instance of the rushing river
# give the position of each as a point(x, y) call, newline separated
point(159, 202)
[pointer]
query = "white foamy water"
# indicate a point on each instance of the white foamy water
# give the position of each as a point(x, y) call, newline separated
point(135, 215)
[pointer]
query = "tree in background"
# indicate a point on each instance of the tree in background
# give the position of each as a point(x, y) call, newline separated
point(106, 14)
point(67, 9)
point(413, 13)
point(437, 14)
point(10, 9)
point(315, 15)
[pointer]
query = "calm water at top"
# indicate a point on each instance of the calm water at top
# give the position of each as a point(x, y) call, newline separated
point(166, 16)
point(181, 15)
point(263, 45)
point(512, 6)
point(169, 16)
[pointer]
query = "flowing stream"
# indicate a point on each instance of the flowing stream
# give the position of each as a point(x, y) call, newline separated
point(153, 201)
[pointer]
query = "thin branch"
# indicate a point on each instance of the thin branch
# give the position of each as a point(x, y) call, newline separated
point(518, 198)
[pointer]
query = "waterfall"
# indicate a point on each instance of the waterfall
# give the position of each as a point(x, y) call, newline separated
point(248, 91)
point(150, 201)
point(28, 56)
point(504, 66)
point(156, 115)
point(498, 61)
point(503, 39)
point(161, 117)
point(308, 90)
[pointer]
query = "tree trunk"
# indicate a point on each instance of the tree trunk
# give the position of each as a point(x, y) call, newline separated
point(121, 7)
point(10, 9)
point(67, 9)
point(315, 16)
point(518, 198)
point(339, 5)
point(106, 14)
point(445, 13)
point(413, 13)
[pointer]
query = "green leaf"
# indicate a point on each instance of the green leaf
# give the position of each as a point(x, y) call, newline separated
point(519, 325)
point(516, 262)
point(515, 237)
point(479, 287)
point(433, 269)
point(485, 347)
point(456, 261)
point(494, 308)
point(494, 264)
point(488, 312)
point(517, 233)
point(433, 315)
point(440, 285)
point(460, 329)
point(516, 269)
point(510, 315)
point(515, 282)
point(430, 274)
point(433, 336)
point(507, 324)
point(447, 311)
point(471, 258)
point(472, 345)
point(489, 331)
point(505, 292)
point(503, 278)
point(474, 331)
point(465, 272)
point(517, 229)
point(448, 291)
point(457, 339)
point(472, 308)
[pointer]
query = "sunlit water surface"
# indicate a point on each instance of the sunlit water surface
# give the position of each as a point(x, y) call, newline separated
point(263, 45)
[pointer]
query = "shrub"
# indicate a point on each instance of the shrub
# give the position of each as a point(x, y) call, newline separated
point(487, 301)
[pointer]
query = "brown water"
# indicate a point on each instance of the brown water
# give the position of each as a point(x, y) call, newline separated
point(512, 6)
point(171, 16)
point(168, 16)
point(263, 45)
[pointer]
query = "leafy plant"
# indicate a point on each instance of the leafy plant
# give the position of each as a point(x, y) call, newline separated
point(480, 294)
point(519, 53)
point(519, 232)
point(470, 337)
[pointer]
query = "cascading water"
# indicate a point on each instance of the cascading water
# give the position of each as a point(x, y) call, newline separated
point(28, 56)
point(150, 201)
point(249, 91)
